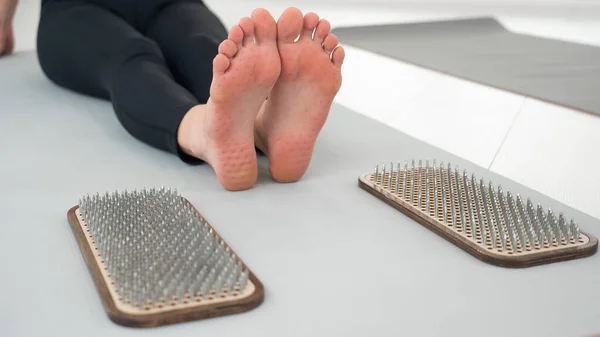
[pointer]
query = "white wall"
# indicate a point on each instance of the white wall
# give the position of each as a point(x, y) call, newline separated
point(583, 9)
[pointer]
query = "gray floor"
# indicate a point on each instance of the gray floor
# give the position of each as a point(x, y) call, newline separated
point(334, 260)
point(483, 51)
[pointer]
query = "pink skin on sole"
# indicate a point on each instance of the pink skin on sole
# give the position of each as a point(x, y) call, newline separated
point(288, 125)
point(244, 72)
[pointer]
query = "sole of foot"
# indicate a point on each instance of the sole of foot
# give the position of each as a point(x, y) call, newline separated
point(244, 72)
point(288, 125)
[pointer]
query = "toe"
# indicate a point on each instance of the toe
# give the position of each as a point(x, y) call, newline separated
point(220, 64)
point(236, 34)
point(228, 48)
point(338, 56)
point(331, 41)
point(248, 27)
point(310, 23)
point(265, 27)
point(289, 25)
point(323, 29)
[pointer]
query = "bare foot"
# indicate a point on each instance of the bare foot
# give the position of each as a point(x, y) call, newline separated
point(222, 131)
point(288, 125)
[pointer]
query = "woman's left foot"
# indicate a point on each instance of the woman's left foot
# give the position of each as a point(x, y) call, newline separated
point(289, 123)
point(221, 132)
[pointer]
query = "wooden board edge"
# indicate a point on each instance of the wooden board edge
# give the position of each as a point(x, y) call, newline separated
point(166, 318)
point(483, 255)
point(93, 267)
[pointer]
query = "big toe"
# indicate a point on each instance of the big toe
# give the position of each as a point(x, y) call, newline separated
point(289, 25)
point(265, 27)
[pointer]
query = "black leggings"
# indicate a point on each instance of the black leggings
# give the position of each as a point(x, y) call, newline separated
point(151, 58)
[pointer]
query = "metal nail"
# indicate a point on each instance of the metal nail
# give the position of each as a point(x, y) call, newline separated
point(451, 189)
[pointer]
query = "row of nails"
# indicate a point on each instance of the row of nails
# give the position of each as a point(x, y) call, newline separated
point(501, 221)
point(153, 244)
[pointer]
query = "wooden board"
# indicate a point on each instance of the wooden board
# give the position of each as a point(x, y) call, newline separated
point(532, 256)
point(196, 309)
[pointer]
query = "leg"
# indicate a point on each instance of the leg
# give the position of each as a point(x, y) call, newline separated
point(189, 35)
point(288, 125)
point(87, 49)
point(244, 71)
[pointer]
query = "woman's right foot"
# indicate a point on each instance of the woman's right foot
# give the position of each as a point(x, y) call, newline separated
point(290, 122)
point(244, 72)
